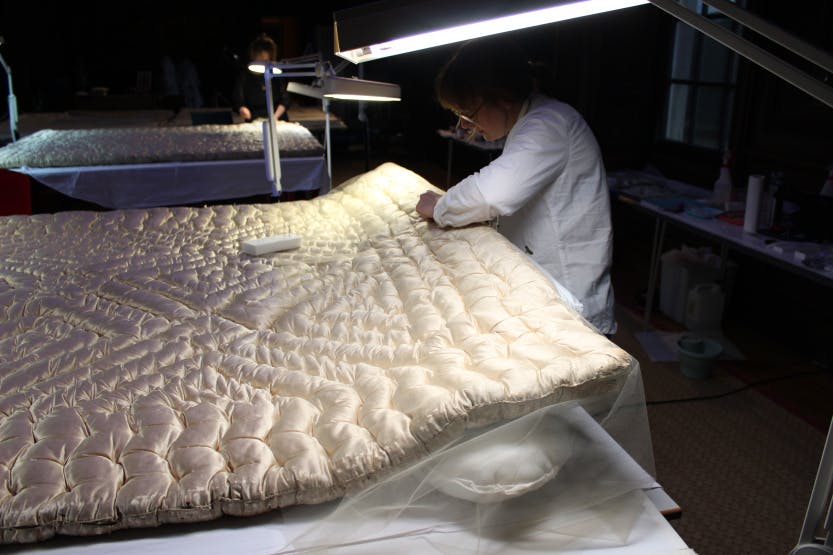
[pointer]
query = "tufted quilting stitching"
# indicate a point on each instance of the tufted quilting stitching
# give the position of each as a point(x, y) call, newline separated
point(150, 372)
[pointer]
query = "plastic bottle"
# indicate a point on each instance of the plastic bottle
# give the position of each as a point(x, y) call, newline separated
point(722, 190)
point(704, 307)
point(754, 193)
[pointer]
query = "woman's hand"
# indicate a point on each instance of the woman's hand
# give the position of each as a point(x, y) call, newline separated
point(427, 202)
point(245, 113)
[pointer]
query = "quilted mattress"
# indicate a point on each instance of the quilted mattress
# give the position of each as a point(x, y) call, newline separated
point(151, 372)
point(58, 148)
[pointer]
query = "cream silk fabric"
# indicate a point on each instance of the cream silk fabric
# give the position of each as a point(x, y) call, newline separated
point(151, 372)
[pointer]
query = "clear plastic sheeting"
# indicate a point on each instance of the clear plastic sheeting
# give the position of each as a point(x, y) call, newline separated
point(175, 183)
point(557, 480)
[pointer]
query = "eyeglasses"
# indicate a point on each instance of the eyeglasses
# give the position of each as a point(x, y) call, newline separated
point(468, 118)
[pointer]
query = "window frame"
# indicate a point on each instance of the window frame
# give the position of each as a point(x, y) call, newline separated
point(694, 86)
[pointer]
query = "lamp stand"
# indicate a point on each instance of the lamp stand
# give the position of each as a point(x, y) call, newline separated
point(12, 100)
point(270, 139)
point(325, 106)
point(364, 119)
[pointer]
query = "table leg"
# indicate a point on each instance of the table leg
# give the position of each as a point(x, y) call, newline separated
point(724, 274)
point(656, 249)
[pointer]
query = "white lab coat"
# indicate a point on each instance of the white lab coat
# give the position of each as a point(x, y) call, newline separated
point(549, 188)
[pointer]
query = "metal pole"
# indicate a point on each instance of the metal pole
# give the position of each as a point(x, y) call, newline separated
point(775, 34)
point(656, 251)
point(12, 100)
point(325, 103)
point(273, 161)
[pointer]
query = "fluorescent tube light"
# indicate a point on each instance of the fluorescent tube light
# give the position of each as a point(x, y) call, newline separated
point(359, 40)
point(345, 88)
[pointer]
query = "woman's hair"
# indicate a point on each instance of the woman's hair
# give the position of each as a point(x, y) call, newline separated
point(263, 43)
point(489, 69)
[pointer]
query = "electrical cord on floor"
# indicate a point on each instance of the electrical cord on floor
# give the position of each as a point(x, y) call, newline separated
point(749, 385)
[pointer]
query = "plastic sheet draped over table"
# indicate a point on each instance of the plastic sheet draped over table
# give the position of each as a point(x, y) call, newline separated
point(170, 184)
point(553, 481)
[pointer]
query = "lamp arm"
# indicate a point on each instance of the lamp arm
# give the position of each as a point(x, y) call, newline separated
point(5, 65)
point(774, 33)
point(768, 61)
point(309, 59)
point(282, 65)
point(341, 65)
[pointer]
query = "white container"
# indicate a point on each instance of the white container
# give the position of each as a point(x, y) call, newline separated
point(704, 311)
point(722, 190)
point(754, 190)
point(697, 355)
point(681, 270)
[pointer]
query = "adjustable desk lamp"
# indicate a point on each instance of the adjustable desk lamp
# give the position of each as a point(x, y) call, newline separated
point(12, 100)
point(387, 28)
point(270, 132)
point(328, 86)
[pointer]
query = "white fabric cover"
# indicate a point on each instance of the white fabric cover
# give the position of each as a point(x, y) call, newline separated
point(150, 372)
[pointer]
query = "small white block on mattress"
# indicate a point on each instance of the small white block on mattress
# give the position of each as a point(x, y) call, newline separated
point(263, 245)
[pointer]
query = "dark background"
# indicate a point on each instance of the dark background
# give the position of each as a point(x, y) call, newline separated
point(612, 67)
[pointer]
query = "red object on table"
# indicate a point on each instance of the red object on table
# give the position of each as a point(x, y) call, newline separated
point(734, 217)
point(15, 193)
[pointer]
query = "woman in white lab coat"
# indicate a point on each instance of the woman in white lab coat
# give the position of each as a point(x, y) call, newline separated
point(547, 189)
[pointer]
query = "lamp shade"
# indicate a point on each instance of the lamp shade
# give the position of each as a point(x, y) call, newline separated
point(304, 90)
point(391, 27)
point(345, 88)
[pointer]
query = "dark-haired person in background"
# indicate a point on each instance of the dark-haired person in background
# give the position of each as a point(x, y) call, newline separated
point(248, 96)
point(547, 189)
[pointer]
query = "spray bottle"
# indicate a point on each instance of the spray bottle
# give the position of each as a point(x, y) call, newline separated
point(722, 191)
